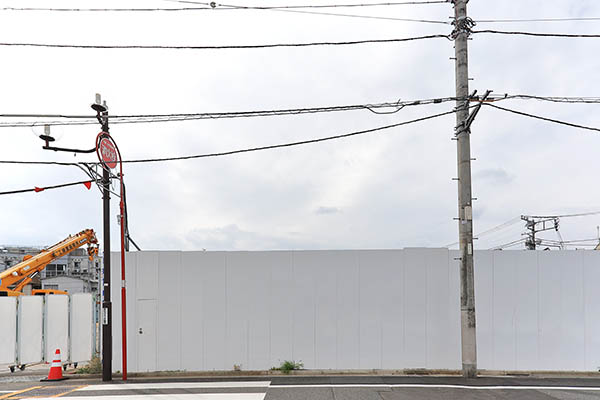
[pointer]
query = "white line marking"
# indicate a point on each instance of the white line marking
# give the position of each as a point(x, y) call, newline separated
point(179, 385)
point(409, 385)
point(198, 396)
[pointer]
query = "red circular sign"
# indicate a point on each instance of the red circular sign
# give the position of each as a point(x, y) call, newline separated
point(108, 153)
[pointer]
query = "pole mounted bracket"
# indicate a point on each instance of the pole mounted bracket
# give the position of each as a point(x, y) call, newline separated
point(465, 126)
point(462, 25)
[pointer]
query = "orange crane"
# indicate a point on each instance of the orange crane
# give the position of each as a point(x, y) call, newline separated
point(14, 279)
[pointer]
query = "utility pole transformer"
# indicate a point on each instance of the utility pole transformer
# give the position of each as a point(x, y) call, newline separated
point(462, 26)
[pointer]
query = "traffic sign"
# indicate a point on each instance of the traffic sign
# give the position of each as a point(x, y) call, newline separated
point(107, 152)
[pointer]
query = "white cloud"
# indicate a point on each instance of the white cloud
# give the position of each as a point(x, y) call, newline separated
point(394, 187)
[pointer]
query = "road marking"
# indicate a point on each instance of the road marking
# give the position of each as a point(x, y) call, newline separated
point(187, 396)
point(6, 396)
point(179, 385)
point(69, 391)
point(410, 385)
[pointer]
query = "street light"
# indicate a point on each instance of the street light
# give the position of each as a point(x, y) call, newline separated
point(102, 115)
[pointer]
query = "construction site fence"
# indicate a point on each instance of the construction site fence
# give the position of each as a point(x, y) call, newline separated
point(33, 327)
point(356, 309)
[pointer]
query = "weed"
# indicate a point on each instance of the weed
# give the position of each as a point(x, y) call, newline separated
point(288, 366)
point(93, 367)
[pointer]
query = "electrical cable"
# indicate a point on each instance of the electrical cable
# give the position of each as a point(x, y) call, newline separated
point(129, 239)
point(539, 34)
point(41, 189)
point(492, 230)
point(209, 7)
point(556, 121)
point(177, 117)
point(147, 118)
point(397, 3)
point(223, 47)
point(585, 214)
point(553, 99)
point(576, 241)
point(252, 149)
point(426, 21)
point(506, 245)
point(290, 144)
point(489, 21)
point(103, 9)
point(233, 7)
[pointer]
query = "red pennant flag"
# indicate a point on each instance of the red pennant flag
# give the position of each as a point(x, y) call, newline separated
point(37, 189)
point(88, 184)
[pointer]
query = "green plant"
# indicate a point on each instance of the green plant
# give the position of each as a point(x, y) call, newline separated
point(93, 367)
point(288, 366)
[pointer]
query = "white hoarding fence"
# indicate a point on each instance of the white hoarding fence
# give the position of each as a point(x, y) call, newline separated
point(56, 328)
point(357, 309)
point(82, 325)
point(8, 332)
point(33, 327)
point(29, 329)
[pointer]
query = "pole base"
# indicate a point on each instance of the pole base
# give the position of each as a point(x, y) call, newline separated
point(469, 370)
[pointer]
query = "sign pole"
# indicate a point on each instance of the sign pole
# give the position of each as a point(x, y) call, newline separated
point(102, 111)
point(108, 152)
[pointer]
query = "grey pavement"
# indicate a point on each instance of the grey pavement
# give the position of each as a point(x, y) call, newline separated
point(338, 387)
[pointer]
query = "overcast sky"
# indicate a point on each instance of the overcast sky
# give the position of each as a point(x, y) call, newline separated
point(390, 189)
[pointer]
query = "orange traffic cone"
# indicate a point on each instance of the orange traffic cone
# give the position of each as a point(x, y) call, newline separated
point(55, 373)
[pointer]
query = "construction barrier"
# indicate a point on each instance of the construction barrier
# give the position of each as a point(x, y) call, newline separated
point(356, 309)
point(35, 327)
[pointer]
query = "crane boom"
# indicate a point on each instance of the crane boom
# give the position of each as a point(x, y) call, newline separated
point(14, 279)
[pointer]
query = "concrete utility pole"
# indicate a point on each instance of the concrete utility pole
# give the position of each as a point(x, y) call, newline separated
point(462, 25)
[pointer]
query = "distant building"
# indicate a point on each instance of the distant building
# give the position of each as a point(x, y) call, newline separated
point(75, 265)
point(68, 284)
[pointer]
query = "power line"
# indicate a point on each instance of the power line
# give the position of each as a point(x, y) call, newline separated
point(490, 21)
point(585, 214)
point(150, 118)
point(177, 117)
point(247, 150)
point(218, 6)
point(492, 230)
point(290, 9)
point(103, 9)
point(209, 7)
point(425, 21)
point(556, 121)
point(41, 189)
point(223, 47)
point(507, 245)
point(554, 99)
point(574, 241)
point(290, 144)
point(287, 9)
point(558, 35)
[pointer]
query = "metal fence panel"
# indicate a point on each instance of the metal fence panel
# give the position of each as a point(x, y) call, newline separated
point(388, 309)
point(56, 332)
point(8, 333)
point(81, 327)
point(30, 326)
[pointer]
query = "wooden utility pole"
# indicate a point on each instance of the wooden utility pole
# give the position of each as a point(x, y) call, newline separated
point(462, 25)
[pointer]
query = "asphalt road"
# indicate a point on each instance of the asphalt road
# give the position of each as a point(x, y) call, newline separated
point(313, 388)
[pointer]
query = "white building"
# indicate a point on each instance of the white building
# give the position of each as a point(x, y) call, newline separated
point(69, 284)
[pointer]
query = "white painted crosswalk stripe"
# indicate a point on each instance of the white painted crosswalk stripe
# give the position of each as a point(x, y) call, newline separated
point(240, 390)
point(187, 396)
point(179, 385)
